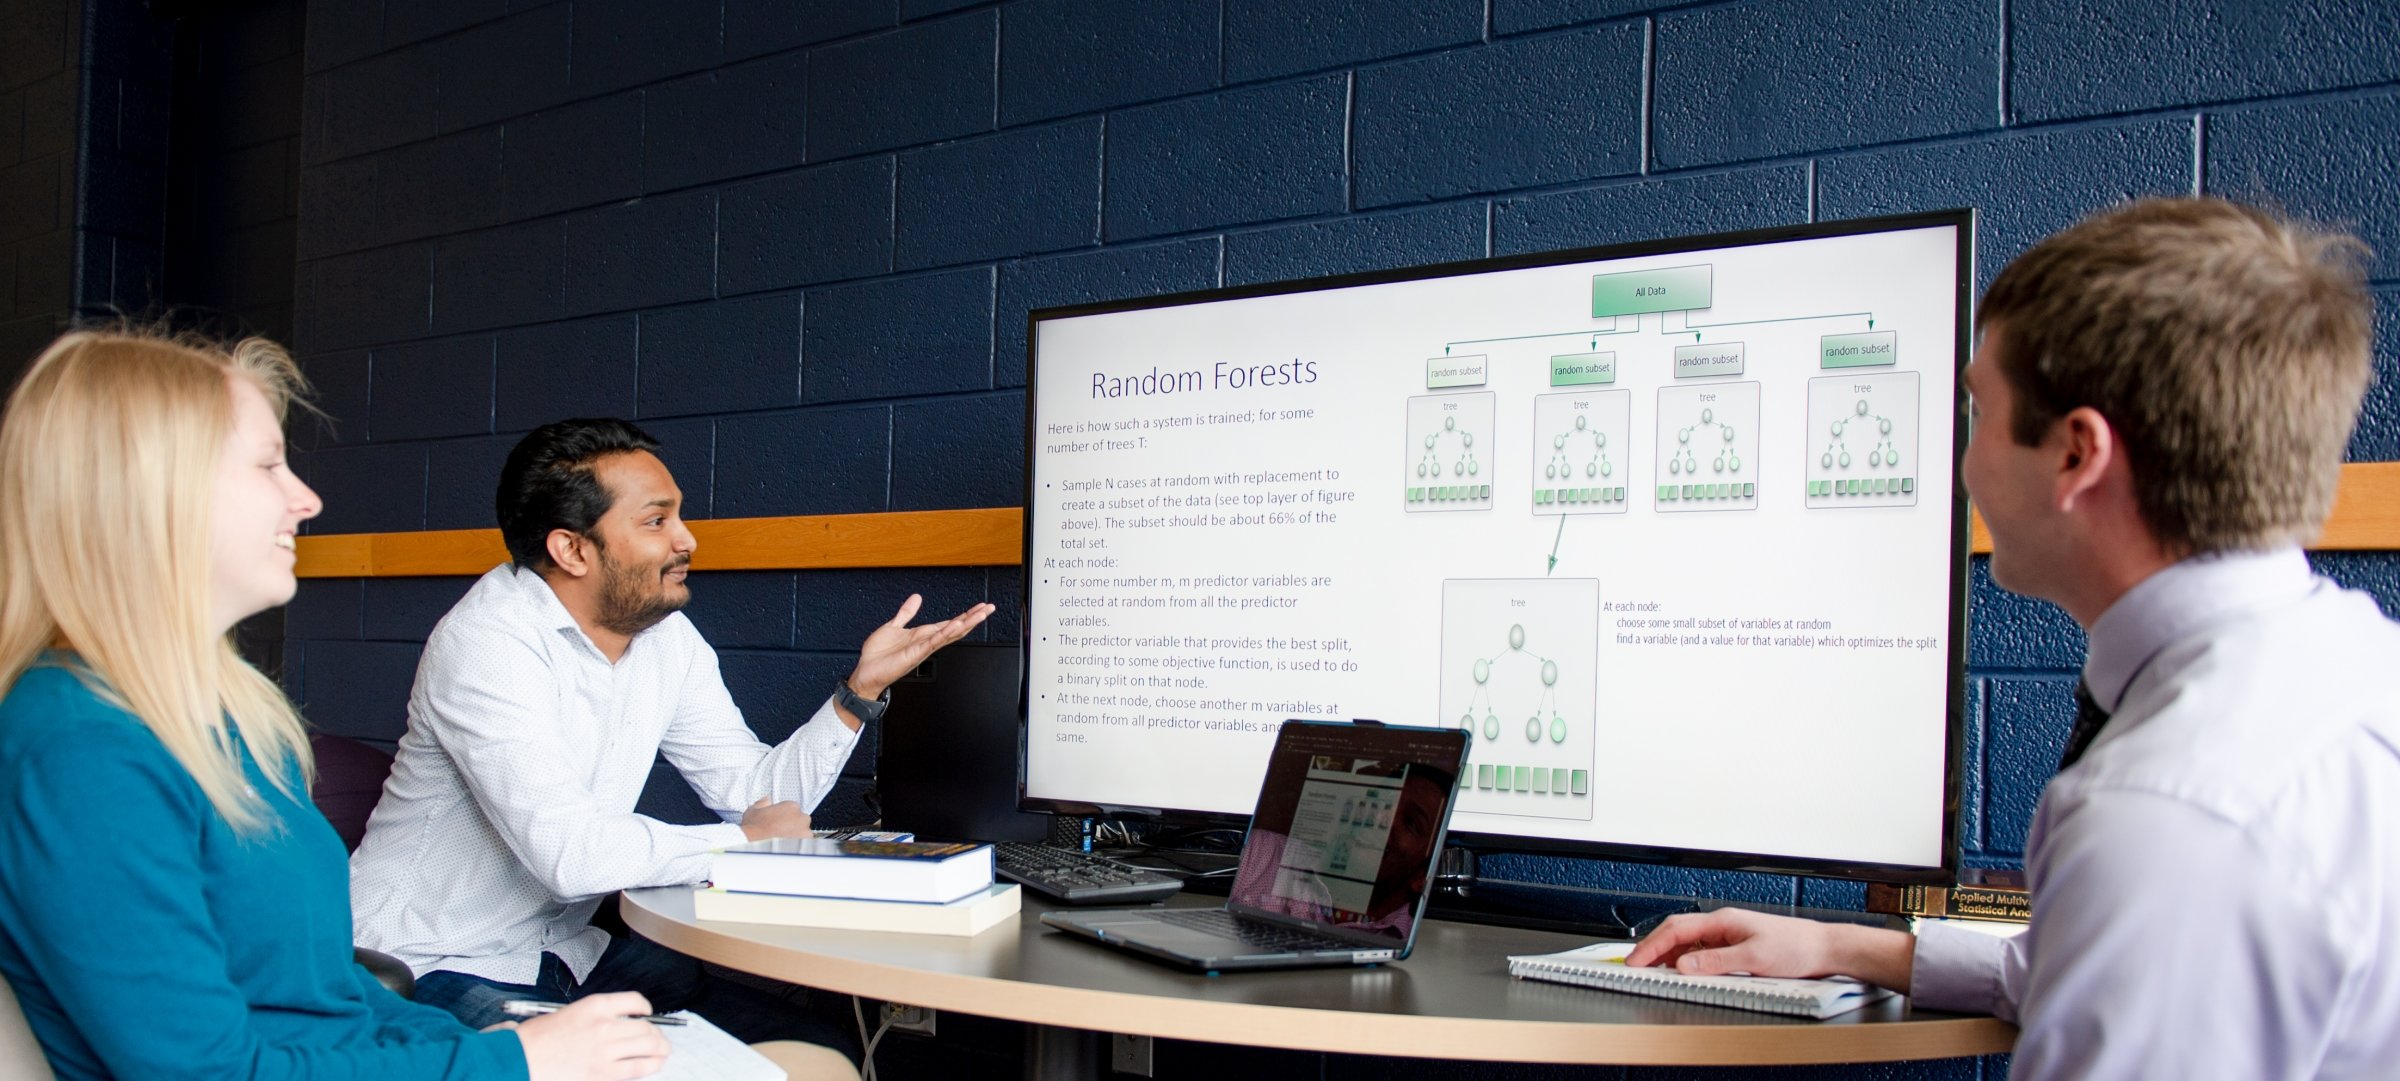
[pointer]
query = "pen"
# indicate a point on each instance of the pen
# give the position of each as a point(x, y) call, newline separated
point(525, 1007)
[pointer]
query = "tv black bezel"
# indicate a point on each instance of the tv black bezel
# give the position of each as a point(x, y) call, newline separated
point(1953, 784)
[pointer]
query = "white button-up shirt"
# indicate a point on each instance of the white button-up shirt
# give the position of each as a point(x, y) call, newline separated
point(509, 812)
point(2216, 884)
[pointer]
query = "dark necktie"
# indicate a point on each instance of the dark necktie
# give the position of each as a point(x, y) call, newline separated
point(2088, 719)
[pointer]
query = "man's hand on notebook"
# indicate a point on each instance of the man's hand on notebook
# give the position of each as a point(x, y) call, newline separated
point(1730, 940)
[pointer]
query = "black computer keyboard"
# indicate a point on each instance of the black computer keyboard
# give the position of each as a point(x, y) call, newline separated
point(1080, 878)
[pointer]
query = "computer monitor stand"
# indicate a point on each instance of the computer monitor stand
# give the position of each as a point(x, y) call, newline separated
point(1464, 895)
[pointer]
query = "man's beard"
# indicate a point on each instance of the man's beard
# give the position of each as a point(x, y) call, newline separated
point(633, 599)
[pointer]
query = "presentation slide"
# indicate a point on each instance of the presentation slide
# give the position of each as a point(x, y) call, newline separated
point(1669, 536)
point(1339, 831)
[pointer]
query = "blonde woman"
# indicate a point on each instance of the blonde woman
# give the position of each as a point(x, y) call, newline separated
point(171, 904)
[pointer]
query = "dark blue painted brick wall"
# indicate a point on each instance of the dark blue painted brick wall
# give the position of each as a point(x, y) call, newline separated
point(1513, 114)
point(1248, 154)
point(1742, 81)
point(797, 242)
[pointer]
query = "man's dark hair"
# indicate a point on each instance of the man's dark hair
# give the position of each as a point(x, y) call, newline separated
point(549, 483)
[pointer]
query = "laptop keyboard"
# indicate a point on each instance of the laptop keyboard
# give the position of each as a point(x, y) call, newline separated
point(1256, 934)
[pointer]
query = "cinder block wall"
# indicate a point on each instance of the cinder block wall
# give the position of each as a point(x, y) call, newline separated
point(797, 242)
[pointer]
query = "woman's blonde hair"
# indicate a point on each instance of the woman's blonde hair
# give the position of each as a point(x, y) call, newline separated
point(108, 460)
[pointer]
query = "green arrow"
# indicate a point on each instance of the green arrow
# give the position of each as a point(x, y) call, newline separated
point(1695, 335)
point(1562, 532)
point(1787, 319)
point(1445, 350)
point(1870, 322)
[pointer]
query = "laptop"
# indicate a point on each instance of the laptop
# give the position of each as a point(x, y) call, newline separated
point(1335, 868)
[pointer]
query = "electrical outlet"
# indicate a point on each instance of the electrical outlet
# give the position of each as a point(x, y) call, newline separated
point(903, 1018)
point(1129, 1054)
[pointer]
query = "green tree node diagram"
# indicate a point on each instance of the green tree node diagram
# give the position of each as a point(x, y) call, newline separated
point(1486, 702)
point(1562, 465)
point(1881, 453)
point(1684, 462)
point(1430, 465)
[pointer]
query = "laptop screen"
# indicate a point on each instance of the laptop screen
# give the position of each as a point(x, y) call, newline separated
point(1350, 819)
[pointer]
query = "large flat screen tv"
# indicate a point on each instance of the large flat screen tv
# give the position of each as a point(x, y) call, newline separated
point(1672, 529)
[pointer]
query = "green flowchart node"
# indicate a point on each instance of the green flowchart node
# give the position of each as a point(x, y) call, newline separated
point(1447, 447)
point(1555, 726)
point(1863, 428)
point(1580, 451)
point(1727, 490)
point(1533, 780)
point(1586, 443)
point(1863, 487)
point(1442, 493)
point(1532, 719)
point(1639, 292)
point(1462, 462)
point(1707, 440)
point(1578, 495)
point(1883, 453)
point(1726, 460)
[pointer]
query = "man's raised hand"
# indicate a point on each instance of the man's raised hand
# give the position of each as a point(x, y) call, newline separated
point(895, 649)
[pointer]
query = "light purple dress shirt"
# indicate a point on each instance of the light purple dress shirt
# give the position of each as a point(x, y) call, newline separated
point(2216, 885)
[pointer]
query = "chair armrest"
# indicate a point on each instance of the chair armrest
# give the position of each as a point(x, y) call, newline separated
point(388, 970)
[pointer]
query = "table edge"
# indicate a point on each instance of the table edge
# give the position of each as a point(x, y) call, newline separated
point(1338, 1031)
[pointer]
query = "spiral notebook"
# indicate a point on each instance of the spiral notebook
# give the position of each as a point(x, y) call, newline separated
point(1602, 965)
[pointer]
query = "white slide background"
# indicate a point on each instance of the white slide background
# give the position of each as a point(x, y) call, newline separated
point(1162, 522)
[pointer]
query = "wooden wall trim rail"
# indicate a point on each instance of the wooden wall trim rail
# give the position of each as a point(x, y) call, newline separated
point(2366, 517)
point(987, 537)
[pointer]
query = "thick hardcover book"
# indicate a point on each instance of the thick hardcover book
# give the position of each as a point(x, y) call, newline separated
point(966, 916)
point(863, 870)
point(1602, 965)
point(1980, 895)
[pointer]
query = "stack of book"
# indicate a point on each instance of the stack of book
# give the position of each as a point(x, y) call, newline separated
point(1980, 894)
point(858, 885)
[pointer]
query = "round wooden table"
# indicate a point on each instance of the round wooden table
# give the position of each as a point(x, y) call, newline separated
point(1453, 998)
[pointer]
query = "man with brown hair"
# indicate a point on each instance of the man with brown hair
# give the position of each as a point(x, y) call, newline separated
point(2216, 866)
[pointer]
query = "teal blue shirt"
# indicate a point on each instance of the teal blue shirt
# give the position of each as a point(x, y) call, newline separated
point(145, 938)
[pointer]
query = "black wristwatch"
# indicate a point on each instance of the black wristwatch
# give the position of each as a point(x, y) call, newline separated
point(867, 710)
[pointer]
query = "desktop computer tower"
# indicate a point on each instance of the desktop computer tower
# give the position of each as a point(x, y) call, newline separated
point(947, 766)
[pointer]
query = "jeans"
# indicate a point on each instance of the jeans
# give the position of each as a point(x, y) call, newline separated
point(670, 980)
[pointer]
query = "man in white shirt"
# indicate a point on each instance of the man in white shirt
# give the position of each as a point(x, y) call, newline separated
point(540, 703)
point(2163, 394)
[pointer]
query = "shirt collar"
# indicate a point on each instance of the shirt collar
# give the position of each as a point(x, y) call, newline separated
point(537, 594)
point(2178, 600)
point(534, 591)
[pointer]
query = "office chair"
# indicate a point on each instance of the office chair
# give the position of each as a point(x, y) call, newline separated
point(349, 780)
